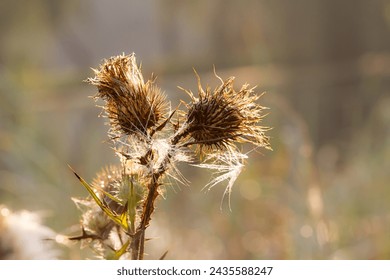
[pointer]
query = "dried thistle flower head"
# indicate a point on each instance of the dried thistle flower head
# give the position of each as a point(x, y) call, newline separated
point(95, 224)
point(110, 184)
point(118, 193)
point(132, 105)
point(220, 118)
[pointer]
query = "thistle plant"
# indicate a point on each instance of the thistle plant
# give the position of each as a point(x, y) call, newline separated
point(150, 138)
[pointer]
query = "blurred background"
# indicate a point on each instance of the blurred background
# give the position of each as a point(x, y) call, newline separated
point(322, 193)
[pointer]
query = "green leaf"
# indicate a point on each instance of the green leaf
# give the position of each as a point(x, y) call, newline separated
point(120, 220)
point(110, 196)
point(120, 252)
point(131, 206)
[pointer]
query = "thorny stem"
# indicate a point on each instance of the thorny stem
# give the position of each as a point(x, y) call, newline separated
point(138, 243)
point(139, 237)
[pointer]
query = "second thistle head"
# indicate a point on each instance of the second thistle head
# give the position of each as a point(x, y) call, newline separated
point(218, 119)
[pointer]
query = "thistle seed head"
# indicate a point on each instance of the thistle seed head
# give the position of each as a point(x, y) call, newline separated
point(220, 118)
point(132, 105)
point(24, 237)
point(94, 222)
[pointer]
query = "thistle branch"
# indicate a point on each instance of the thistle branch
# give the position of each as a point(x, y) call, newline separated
point(123, 199)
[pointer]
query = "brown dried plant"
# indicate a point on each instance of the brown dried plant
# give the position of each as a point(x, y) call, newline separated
point(150, 139)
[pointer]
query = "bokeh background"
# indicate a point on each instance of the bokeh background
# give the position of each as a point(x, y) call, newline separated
point(322, 193)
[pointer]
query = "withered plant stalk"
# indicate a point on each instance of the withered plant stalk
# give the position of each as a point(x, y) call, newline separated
point(150, 138)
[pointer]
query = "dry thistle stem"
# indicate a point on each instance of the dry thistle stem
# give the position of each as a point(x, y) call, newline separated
point(149, 143)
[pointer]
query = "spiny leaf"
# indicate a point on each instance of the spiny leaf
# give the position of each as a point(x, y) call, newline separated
point(123, 220)
point(161, 126)
point(163, 255)
point(117, 219)
point(121, 251)
point(110, 196)
point(131, 206)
